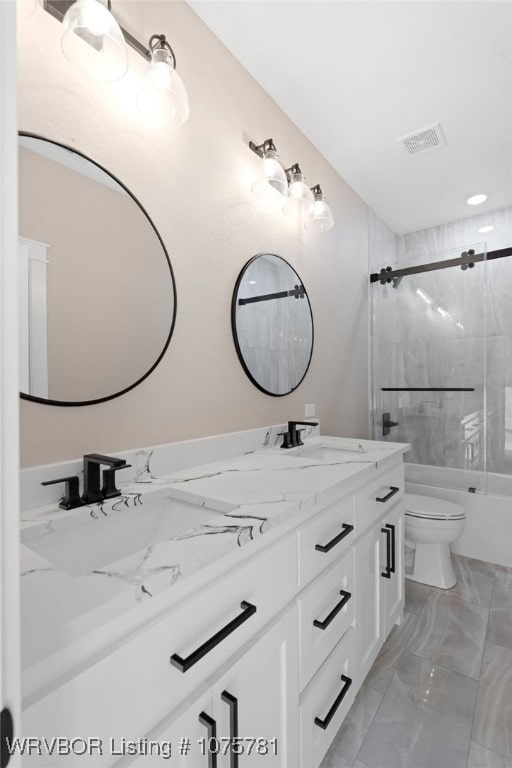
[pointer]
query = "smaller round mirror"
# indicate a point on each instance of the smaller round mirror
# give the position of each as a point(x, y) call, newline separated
point(272, 324)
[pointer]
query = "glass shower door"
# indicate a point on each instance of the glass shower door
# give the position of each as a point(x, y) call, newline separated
point(428, 365)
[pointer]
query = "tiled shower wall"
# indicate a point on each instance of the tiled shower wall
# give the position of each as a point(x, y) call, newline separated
point(438, 330)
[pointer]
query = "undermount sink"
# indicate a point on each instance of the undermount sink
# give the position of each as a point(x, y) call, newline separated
point(92, 539)
point(330, 453)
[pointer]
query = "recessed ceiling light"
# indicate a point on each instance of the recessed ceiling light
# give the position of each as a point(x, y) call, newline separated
point(476, 199)
point(489, 228)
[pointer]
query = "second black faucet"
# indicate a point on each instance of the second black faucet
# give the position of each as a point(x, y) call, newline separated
point(292, 439)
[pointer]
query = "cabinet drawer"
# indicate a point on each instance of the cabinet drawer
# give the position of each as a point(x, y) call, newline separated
point(377, 498)
point(326, 611)
point(324, 538)
point(326, 701)
point(128, 692)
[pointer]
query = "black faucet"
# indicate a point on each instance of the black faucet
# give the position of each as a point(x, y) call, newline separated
point(291, 439)
point(92, 492)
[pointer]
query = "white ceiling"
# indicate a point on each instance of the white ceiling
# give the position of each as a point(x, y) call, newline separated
point(356, 76)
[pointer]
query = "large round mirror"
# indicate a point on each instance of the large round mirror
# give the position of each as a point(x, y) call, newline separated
point(272, 324)
point(97, 298)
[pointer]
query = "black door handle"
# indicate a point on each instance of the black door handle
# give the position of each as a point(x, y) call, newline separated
point(7, 734)
point(393, 547)
point(232, 702)
point(393, 490)
point(211, 749)
point(332, 615)
point(347, 682)
point(387, 573)
point(332, 543)
point(248, 610)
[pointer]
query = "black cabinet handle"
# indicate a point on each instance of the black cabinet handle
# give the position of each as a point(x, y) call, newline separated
point(232, 702)
point(248, 610)
point(391, 493)
point(71, 498)
point(347, 682)
point(7, 734)
point(211, 727)
point(337, 608)
point(393, 547)
point(387, 573)
point(332, 543)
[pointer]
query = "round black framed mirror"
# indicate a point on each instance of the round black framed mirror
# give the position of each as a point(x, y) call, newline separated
point(272, 324)
point(97, 291)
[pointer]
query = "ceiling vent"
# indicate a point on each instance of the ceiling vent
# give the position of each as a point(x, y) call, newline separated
point(424, 140)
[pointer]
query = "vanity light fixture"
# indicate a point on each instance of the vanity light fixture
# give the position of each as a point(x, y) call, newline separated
point(320, 217)
point(275, 182)
point(163, 98)
point(272, 182)
point(487, 228)
point(300, 197)
point(92, 40)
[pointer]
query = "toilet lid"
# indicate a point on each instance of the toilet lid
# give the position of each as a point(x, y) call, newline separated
point(434, 509)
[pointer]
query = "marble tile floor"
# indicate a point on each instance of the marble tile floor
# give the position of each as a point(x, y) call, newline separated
point(439, 694)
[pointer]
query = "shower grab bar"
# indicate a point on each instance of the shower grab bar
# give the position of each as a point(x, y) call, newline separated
point(427, 389)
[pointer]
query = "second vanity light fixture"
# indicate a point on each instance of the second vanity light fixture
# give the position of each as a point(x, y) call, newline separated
point(274, 182)
point(93, 40)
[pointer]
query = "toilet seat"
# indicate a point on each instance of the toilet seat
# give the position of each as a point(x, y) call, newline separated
point(429, 508)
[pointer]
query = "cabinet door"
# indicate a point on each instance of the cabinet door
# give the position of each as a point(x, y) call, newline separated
point(258, 699)
point(393, 588)
point(368, 592)
point(182, 736)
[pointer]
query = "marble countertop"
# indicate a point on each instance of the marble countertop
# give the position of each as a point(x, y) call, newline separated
point(241, 498)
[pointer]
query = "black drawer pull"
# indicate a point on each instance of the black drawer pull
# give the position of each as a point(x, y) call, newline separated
point(392, 567)
point(387, 573)
point(347, 682)
point(6, 736)
point(392, 491)
point(248, 610)
point(232, 702)
point(332, 543)
point(337, 608)
point(211, 727)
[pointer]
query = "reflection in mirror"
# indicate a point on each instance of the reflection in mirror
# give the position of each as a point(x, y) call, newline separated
point(272, 324)
point(96, 291)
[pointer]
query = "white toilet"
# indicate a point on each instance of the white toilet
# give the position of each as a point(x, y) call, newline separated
point(431, 525)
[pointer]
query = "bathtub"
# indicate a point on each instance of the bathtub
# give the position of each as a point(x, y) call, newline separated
point(487, 534)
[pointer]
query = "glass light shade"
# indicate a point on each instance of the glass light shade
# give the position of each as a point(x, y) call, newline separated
point(320, 217)
point(300, 197)
point(92, 40)
point(271, 183)
point(26, 8)
point(163, 98)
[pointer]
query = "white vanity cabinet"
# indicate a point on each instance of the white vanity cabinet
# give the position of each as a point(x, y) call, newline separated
point(379, 579)
point(274, 649)
point(254, 702)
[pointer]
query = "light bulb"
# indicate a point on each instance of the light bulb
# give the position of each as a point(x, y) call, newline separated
point(163, 98)
point(271, 182)
point(300, 197)
point(93, 41)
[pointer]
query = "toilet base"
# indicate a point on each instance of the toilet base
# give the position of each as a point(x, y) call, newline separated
point(433, 566)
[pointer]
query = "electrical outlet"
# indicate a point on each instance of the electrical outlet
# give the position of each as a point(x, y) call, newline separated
point(309, 410)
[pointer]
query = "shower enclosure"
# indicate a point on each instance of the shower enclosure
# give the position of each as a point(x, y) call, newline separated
point(442, 364)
